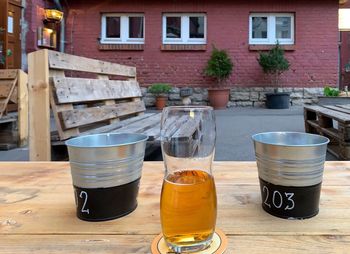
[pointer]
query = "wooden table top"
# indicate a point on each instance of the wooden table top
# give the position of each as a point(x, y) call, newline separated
point(37, 213)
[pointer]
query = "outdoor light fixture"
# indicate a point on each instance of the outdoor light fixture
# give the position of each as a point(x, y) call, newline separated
point(53, 15)
point(344, 19)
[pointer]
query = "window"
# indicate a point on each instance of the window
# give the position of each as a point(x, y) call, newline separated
point(122, 29)
point(184, 29)
point(265, 28)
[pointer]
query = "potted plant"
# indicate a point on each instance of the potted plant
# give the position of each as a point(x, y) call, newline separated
point(160, 90)
point(219, 67)
point(274, 64)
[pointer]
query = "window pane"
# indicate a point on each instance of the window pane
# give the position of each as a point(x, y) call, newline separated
point(259, 30)
point(196, 27)
point(283, 27)
point(135, 27)
point(173, 27)
point(113, 27)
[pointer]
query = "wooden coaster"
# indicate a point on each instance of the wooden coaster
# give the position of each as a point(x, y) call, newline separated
point(217, 246)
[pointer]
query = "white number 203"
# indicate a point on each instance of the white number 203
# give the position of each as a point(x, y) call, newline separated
point(277, 199)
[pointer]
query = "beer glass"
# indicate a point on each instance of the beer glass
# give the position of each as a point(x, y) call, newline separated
point(188, 199)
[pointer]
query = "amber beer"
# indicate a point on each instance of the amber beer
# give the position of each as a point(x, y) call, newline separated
point(188, 208)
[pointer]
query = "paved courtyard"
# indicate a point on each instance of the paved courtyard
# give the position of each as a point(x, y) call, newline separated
point(235, 126)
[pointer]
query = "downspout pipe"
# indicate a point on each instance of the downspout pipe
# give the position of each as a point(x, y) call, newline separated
point(63, 28)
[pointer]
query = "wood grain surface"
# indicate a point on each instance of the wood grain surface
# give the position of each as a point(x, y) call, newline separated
point(62, 61)
point(37, 213)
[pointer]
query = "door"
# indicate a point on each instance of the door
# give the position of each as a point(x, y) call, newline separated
point(14, 36)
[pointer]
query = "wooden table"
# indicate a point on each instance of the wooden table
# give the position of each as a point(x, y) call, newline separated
point(37, 213)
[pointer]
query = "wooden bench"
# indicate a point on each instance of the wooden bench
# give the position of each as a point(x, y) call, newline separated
point(13, 95)
point(85, 97)
point(332, 121)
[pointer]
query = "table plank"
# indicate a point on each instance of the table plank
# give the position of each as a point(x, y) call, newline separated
point(37, 201)
point(141, 244)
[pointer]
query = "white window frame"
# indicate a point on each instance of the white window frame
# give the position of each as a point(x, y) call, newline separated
point(271, 29)
point(124, 29)
point(185, 29)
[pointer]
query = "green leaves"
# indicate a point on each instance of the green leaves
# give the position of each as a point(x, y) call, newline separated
point(274, 61)
point(332, 92)
point(219, 65)
point(159, 88)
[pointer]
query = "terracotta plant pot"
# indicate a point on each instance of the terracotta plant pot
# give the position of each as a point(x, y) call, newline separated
point(218, 97)
point(161, 102)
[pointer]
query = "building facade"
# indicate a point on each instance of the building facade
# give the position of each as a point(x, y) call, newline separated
point(345, 55)
point(171, 41)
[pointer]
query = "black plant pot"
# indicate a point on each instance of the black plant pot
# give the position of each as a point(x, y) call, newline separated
point(277, 100)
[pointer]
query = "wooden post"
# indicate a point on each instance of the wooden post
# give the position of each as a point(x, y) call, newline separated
point(22, 95)
point(136, 99)
point(39, 106)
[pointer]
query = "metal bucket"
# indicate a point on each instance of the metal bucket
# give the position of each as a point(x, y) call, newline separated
point(290, 166)
point(106, 171)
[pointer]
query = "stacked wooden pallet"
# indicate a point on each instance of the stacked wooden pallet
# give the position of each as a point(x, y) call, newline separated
point(332, 121)
point(14, 126)
point(107, 99)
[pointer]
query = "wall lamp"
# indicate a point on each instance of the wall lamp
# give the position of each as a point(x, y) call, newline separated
point(53, 15)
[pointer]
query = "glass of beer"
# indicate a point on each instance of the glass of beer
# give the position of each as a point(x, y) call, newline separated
point(188, 199)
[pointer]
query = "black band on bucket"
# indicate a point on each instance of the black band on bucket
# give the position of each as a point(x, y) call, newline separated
point(290, 202)
point(106, 203)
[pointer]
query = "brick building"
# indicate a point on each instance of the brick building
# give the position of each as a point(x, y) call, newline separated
point(170, 41)
point(345, 55)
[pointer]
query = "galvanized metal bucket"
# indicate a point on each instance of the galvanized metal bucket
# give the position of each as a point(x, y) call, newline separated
point(290, 166)
point(106, 170)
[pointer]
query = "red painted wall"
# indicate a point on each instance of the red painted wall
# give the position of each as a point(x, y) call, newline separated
point(313, 63)
point(33, 16)
point(345, 54)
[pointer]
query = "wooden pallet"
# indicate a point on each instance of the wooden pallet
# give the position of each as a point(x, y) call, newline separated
point(333, 122)
point(13, 89)
point(97, 103)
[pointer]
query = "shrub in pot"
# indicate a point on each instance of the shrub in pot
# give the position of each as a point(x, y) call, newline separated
point(160, 90)
point(274, 63)
point(219, 67)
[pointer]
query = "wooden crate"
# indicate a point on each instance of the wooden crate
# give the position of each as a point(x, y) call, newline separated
point(332, 121)
point(13, 94)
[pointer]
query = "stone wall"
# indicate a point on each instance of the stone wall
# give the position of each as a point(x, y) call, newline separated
point(239, 96)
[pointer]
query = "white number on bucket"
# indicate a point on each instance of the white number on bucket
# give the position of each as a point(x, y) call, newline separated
point(84, 195)
point(289, 195)
point(277, 199)
point(267, 196)
point(274, 199)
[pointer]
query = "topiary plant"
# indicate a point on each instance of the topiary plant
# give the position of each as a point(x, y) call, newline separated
point(274, 63)
point(159, 88)
point(219, 66)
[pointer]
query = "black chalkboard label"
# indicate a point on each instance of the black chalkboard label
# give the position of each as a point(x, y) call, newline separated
point(290, 202)
point(102, 204)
